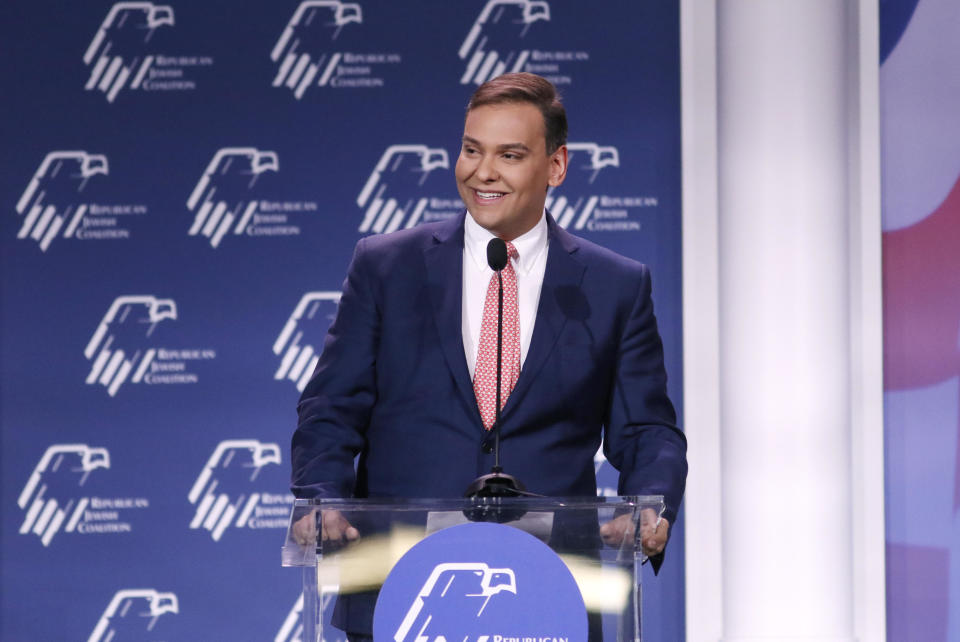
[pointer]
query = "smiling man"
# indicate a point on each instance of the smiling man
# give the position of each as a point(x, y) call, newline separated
point(404, 379)
point(508, 159)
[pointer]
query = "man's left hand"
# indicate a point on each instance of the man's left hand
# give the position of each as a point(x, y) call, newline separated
point(653, 531)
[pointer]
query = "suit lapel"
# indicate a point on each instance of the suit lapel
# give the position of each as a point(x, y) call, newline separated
point(562, 271)
point(444, 263)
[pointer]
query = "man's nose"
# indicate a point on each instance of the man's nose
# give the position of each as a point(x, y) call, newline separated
point(487, 170)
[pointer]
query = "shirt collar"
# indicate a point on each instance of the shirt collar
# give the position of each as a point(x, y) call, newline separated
point(529, 245)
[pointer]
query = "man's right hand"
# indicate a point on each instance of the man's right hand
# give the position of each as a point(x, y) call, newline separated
point(334, 529)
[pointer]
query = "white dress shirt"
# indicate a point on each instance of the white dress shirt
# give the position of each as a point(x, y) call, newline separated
point(529, 266)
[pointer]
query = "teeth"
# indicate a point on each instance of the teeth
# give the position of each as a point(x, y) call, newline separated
point(489, 194)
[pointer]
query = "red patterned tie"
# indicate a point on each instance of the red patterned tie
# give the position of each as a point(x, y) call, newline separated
point(485, 377)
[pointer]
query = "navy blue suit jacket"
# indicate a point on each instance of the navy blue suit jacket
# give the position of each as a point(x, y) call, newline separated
point(392, 383)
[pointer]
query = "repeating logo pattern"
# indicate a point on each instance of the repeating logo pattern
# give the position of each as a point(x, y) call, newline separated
point(56, 499)
point(115, 52)
point(46, 514)
point(487, 49)
point(391, 196)
point(131, 613)
point(300, 50)
point(232, 171)
point(48, 204)
point(301, 339)
point(223, 492)
point(116, 347)
point(600, 157)
point(577, 211)
point(585, 203)
point(292, 628)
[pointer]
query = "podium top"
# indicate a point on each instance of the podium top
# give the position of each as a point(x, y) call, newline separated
point(462, 503)
point(577, 519)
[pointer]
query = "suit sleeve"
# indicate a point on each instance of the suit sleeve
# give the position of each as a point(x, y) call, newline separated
point(642, 440)
point(335, 407)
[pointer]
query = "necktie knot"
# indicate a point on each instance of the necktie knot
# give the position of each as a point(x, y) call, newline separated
point(512, 251)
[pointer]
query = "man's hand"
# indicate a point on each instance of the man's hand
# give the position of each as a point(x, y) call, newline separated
point(334, 528)
point(653, 531)
point(304, 531)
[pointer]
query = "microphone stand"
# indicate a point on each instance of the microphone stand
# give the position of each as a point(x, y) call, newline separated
point(496, 483)
point(497, 469)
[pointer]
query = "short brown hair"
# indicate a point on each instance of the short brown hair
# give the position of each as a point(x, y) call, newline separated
point(527, 88)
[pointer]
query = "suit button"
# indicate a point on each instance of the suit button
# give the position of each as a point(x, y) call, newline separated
point(487, 444)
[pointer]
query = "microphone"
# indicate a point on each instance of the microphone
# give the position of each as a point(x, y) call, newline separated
point(496, 254)
point(496, 483)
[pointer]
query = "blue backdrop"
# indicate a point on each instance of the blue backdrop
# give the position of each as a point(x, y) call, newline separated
point(183, 186)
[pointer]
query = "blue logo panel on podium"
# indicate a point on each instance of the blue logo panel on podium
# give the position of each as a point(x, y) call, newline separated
point(483, 582)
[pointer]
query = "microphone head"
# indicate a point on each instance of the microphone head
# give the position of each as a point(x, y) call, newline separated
point(496, 254)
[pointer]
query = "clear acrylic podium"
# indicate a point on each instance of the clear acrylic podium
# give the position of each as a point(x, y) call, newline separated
point(606, 568)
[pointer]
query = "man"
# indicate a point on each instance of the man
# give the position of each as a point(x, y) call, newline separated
point(403, 373)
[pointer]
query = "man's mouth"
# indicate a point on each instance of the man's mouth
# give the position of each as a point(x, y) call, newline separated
point(488, 197)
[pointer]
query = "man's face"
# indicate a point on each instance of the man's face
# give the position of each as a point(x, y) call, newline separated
point(503, 170)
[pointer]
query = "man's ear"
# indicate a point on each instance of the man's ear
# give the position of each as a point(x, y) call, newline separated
point(558, 166)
